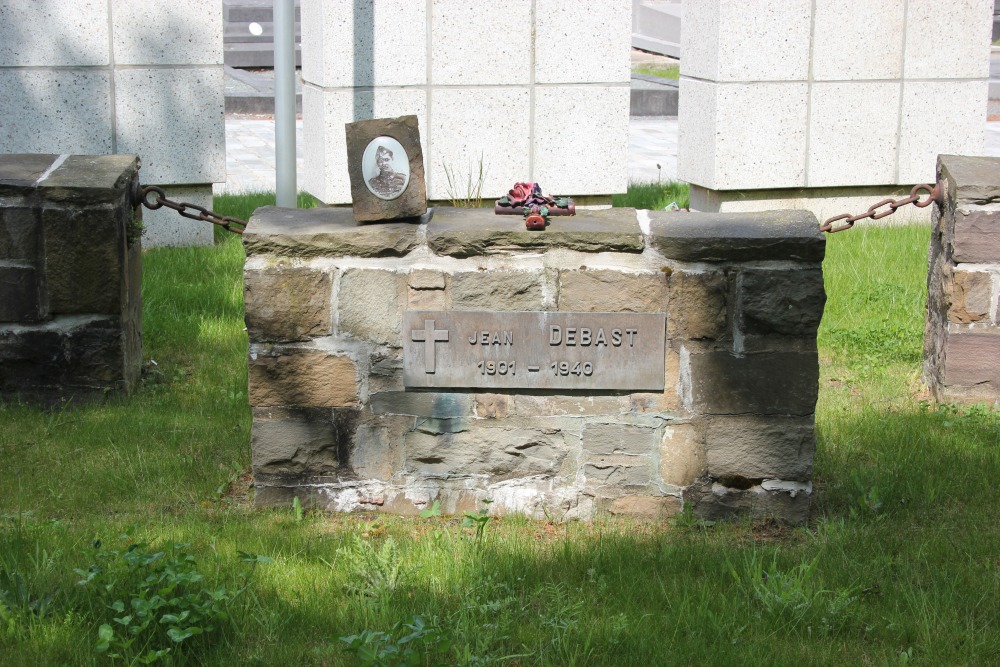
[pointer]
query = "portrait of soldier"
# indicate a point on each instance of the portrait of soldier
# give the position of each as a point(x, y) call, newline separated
point(388, 182)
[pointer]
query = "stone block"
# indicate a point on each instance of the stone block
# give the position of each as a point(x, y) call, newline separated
point(669, 399)
point(325, 112)
point(499, 453)
point(948, 41)
point(970, 180)
point(73, 355)
point(369, 305)
point(615, 439)
point(20, 171)
point(757, 448)
point(326, 232)
point(179, 32)
point(788, 302)
point(467, 49)
point(582, 42)
point(714, 502)
point(612, 475)
point(287, 303)
point(952, 108)
point(297, 442)
point(843, 48)
point(852, 133)
point(436, 405)
point(182, 138)
point(56, 111)
point(164, 227)
point(971, 296)
point(597, 291)
point(977, 236)
point(426, 299)
point(463, 232)
point(546, 405)
point(85, 261)
point(737, 237)
point(378, 447)
point(479, 128)
point(19, 234)
point(493, 406)
point(341, 46)
point(23, 297)
point(771, 45)
point(969, 360)
point(765, 383)
point(682, 455)
point(426, 279)
point(43, 34)
point(645, 507)
point(89, 180)
point(302, 378)
point(754, 137)
point(697, 305)
point(586, 127)
point(484, 290)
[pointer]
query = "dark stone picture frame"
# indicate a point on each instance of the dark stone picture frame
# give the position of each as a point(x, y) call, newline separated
point(368, 207)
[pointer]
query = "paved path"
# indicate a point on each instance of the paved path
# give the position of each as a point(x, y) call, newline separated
point(651, 141)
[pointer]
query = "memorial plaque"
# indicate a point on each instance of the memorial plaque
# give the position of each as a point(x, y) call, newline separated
point(386, 169)
point(534, 350)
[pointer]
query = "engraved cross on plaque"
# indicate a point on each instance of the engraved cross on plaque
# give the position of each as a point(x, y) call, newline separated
point(428, 336)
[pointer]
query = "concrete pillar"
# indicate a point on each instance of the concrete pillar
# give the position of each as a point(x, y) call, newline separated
point(827, 105)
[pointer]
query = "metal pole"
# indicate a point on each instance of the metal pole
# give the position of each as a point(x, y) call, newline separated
point(284, 102)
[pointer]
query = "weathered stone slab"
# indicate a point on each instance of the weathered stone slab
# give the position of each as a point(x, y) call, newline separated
point(977, 236)
point(757, 448)
point(297, 441)
point(484, 290)
point(22, 293)
point(971, 296)
point(20, 234)
point(304, 378)
point(609, 439)
point(497, 452)
point(714, 502)
point(421, 404)
point(369, 305)
point(970, 180)
point(682, 454)
point(386, 168)
point(697, 305)
point(90, 179)
point(970, 359)
point(778, 301)
point(612, 291)
point(465, 232)
point(766, 383)
point(651, 508)
point(325, 232)
point(735, 237)
point(22, 170)
point(287, 303)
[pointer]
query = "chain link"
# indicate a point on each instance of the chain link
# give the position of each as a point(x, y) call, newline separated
point(933, 195)
point(141, 196)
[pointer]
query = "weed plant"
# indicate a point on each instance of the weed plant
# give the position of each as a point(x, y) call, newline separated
point(654, 195)
point(899, 562)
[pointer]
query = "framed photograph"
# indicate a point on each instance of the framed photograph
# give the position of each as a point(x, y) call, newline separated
point(386, 169)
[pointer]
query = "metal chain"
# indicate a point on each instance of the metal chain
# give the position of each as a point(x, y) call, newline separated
point(140, 195)
point(873, 212)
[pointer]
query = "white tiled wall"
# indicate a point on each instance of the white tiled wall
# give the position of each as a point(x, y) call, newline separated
point(532, 89)
point(829, 93)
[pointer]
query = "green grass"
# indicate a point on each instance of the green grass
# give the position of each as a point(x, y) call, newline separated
point(662, 71)
point(900, 562)
point(654, 195)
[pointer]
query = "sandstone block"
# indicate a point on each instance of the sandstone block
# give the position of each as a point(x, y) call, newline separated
point(499, 453)
point(757, 448)
point(425, 279)
point(682, 455)
point(426, 299)
point(369, 305)
point(324, 232)
point(645, 507)
point(616, 474)
point(713, 501)
point(545, 405)
point(437, 405)
point(378, 452)
point(765, 383)
point(611, 439)
point(482, 290)
point(697, 304)
point(970, 360)
point(302, 378)
point(492, 406)
point(612, 291)
point(464, 232)
point(668, 400)
point(287, 303)
point(297, 441)
point(977, 236)
point(719, 237)
point(23, 297)
point(971, 296)
point(970, 180)
point(20, 234)
point(787, 302)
